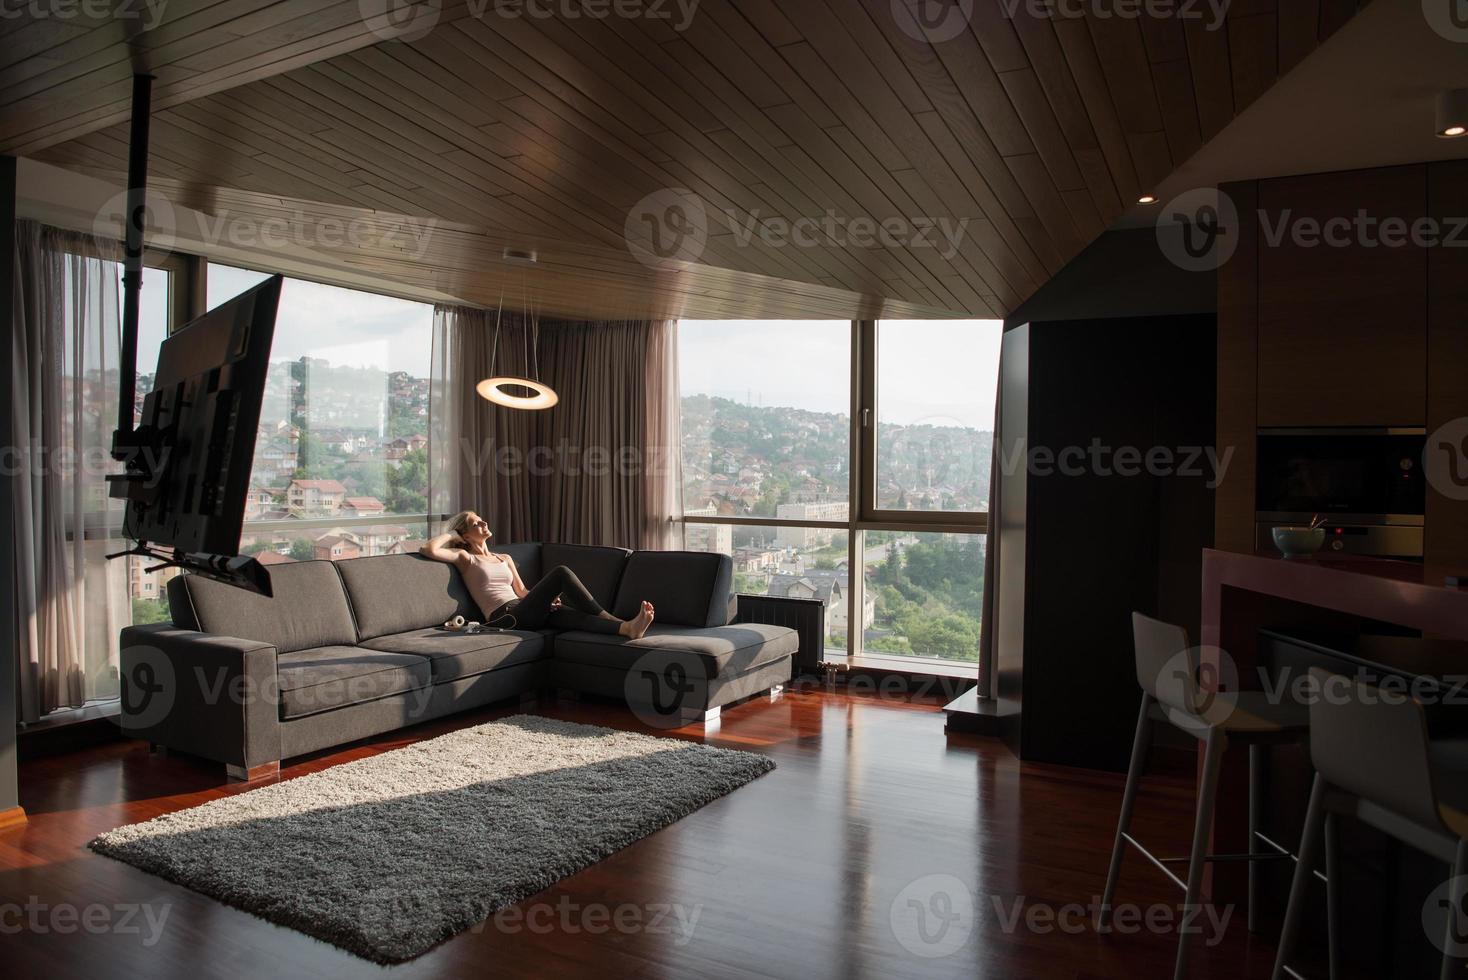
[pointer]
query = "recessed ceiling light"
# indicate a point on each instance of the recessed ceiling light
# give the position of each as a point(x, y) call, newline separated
point(1452, 113)
point(1147, 199)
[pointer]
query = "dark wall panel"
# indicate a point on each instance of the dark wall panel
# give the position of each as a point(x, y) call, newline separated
point(1098, 542)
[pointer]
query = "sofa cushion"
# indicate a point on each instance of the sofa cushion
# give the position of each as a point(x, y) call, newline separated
point(323, 678)
point(455, 655)
point(687, 588)
point(397, 593)
point(527, 559)
point(309, 607)
point(599, 569)
point(719, 651)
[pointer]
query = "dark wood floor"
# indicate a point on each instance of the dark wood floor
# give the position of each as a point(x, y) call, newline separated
point(794, 875)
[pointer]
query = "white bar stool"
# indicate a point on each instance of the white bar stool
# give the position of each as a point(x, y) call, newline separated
point(1167, 670)
point(1373, 761)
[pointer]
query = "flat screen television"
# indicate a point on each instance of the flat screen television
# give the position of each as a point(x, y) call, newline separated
point(186, 480)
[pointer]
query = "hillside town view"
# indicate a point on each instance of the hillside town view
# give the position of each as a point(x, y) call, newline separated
point(349, 444)
point(334, 443)
point(922, 590)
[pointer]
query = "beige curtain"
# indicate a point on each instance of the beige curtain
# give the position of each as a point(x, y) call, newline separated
point(70, 602)
point(601, 467)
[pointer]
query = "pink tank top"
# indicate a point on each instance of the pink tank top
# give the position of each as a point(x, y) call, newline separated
point(489, 581)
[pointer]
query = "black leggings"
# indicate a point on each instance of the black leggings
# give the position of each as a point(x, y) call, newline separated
point(579, 609)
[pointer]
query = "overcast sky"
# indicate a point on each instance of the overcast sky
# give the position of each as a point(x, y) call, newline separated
point(937, 371)
point(344, 326)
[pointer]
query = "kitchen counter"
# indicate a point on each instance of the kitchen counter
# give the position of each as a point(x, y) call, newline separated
point(1366, 605)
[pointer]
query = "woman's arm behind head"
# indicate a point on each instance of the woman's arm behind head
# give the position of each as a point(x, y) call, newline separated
point(444, 547)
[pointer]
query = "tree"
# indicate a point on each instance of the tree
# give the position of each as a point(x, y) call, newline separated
point(303, 549)
point(312, 458)
point(147, 611)
point(890, 571)
point(754, 584)
point(365, 479)
point(407, 484)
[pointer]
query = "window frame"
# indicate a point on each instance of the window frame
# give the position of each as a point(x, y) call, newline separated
point(864, 413)
point(199, 297)
point(864, 515)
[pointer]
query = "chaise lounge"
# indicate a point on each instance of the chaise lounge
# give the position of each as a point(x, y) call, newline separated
point(349, 649)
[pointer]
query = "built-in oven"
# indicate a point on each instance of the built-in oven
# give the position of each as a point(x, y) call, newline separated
point(1366, 484)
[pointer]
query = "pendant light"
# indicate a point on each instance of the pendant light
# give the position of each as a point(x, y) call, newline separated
point(500, 389)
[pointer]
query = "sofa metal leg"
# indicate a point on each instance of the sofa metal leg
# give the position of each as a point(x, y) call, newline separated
point(776, 691)
point(241, 774)
point(691, 716)
point(155, 749)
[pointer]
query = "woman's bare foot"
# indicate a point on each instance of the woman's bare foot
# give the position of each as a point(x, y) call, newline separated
point(636, 627)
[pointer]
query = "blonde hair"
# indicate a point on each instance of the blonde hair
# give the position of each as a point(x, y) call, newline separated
point(459, 522)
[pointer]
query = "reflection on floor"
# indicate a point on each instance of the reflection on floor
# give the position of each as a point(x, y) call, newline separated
point(879, 848)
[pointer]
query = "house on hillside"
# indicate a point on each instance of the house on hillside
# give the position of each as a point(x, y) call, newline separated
point(377, 539)
point(362, 507)
point(334, 547)
point(315, 498)
point(831, 587)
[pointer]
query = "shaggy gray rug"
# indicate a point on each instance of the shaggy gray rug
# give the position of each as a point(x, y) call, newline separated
point(389, 855)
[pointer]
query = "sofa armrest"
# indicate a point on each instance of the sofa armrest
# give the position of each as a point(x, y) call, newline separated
point(200, 693)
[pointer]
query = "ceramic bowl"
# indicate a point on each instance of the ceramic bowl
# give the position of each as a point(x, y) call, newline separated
point(1298, 542)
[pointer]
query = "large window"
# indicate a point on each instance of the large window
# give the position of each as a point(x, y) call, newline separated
point(766, 418)
point(934, 390)
point(773, 452)
point(341, 458)
point(158, 310)
point(926, 592)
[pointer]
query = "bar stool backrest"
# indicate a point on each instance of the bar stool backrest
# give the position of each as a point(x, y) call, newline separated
point(1372, 744)
point(1167, 667)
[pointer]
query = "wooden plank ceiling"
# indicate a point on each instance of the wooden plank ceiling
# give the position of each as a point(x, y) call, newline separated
point(1019, 130)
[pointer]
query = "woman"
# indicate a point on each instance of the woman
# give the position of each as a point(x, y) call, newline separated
point(494, 581)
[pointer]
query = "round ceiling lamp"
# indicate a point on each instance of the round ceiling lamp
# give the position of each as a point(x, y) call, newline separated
point(501, 389)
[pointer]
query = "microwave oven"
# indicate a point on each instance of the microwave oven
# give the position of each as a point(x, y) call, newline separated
point(1366, 484)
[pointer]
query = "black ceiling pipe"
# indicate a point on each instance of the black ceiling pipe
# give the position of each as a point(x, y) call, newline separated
point(132, 267)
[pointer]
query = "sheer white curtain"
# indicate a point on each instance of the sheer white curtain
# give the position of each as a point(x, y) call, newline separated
point(71, 602)
point(663, 529)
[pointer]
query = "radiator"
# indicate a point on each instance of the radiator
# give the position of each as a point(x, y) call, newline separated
point(806, 616)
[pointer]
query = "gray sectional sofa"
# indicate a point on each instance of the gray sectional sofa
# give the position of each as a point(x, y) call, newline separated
point(348, 649)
